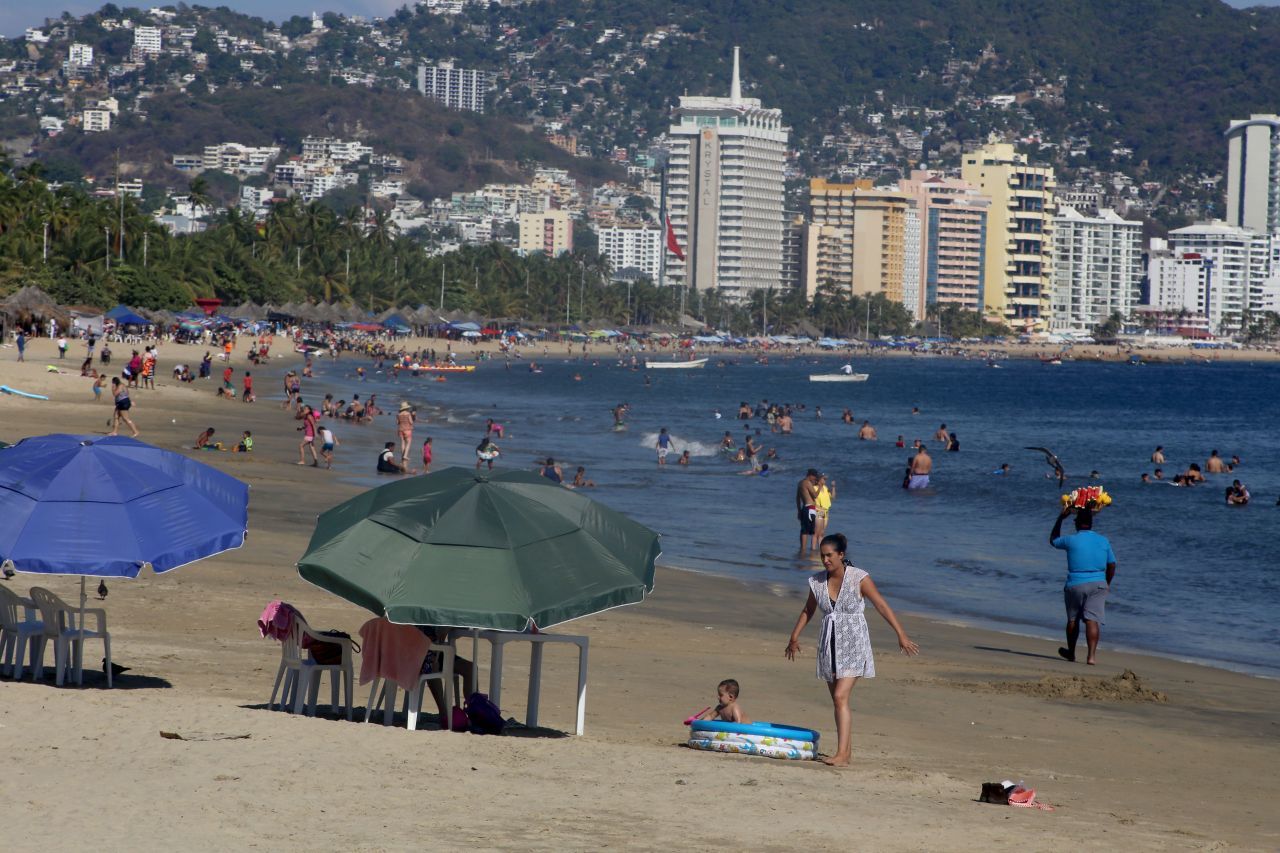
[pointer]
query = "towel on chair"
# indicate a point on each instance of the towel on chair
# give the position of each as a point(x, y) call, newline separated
point(276, 621)
point(391, 651)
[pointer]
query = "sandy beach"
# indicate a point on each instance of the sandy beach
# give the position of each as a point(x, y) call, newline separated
point(1174, 756)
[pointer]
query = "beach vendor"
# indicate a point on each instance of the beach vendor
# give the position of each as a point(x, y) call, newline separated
point(840, 593)
point(1091, 565)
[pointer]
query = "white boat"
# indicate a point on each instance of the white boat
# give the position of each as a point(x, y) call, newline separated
point(839, 377)
point(675, 365)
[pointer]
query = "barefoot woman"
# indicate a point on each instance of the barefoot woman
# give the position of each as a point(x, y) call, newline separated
point(844, 646)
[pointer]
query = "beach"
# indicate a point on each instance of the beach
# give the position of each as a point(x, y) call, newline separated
point(1180, 757)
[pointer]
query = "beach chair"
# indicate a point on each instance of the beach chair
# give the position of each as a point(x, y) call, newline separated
point(63, 628)
point(386, 700)
point(18, 628)
point(299, 674)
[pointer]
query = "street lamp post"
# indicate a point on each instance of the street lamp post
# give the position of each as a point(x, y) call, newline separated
point(107, 233)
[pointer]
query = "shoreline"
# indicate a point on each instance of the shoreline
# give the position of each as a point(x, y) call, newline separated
point(979, 705)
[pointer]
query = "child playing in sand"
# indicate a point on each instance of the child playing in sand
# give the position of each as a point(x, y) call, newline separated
point(728, 711)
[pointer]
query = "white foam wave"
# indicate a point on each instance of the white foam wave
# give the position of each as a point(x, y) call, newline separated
point(679, 445)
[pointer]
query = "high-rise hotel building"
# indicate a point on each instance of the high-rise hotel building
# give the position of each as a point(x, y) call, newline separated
point(1253, 174)
point(1018, 280)
point(726, 193)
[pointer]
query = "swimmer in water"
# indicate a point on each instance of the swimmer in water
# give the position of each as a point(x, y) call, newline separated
point(684, 459)
point(580, 480)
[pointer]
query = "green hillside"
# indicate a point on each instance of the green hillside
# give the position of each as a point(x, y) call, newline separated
point(443, 150)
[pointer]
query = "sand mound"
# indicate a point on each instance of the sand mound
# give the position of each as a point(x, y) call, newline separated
point(1125, 687)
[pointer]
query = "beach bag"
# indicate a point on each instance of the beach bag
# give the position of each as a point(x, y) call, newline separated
point(330, 654)
point(483, 717)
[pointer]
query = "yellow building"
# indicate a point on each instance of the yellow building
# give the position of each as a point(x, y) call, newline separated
point(1019, 249)
point(550, 232)
point(858, 238)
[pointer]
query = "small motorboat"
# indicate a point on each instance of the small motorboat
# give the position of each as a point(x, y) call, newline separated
point(675, 365)
point(839, 377)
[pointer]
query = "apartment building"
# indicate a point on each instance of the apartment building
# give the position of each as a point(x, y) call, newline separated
point(1211, 268)
point(457, 88)
point(146, 41)
point(632, 247)
point(1253, 173)
point(953, 225)
point(550, 232)
point(1097, 269)
point(95, 120)
point(1019, 246)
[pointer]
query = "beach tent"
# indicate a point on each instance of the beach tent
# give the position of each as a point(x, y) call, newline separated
point(395, 321)
point(123, 315)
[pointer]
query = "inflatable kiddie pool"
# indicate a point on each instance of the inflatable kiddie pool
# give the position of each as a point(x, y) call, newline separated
point(771, 740)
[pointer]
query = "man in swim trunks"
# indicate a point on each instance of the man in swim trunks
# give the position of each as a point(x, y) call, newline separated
point(807, 508)
point(1091, 565)
point(867, 432)
point(1215, 465)
point(663, 445)
point(921, 467)
point(942, 435)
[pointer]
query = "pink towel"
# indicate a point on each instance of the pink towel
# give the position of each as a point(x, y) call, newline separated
point(395, 652)
point(276, 621)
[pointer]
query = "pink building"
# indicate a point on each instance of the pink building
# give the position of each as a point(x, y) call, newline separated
point(953, 234)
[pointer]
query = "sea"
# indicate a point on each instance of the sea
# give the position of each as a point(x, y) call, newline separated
point(1197, 579)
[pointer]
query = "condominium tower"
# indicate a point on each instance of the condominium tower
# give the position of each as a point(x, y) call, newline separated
point(953, 224)
point(1213, 269)
point(458, 88)
point(1253, 174)
point(1097, 269)
point(1019, 248)
point(863, 240)
point(726, 193)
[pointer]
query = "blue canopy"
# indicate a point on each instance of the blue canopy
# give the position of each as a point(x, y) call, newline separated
point(465, 327)
point(61, 495)
point(126, 316)
point(395, 321)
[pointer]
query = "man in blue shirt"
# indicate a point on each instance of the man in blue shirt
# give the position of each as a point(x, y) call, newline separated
point(1091, 564)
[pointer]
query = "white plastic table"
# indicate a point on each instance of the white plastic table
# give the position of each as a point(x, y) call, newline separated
point(498, 641)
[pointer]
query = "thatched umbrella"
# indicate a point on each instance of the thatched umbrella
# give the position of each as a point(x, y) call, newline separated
point(31, 304)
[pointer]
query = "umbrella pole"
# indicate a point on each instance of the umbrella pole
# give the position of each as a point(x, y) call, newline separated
point(80, 628)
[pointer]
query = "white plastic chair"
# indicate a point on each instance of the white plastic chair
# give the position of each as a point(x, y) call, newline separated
point(18, 627)
point(299, 674)
point(62, 626)
point(386, 700)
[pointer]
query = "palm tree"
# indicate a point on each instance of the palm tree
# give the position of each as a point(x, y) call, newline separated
point(198, 195)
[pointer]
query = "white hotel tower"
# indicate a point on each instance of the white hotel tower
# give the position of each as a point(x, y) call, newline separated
point(726, 193)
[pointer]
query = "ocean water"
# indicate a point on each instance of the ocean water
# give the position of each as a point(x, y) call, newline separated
point(1197, 579)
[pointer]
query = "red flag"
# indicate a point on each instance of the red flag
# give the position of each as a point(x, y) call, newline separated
point(672, 245)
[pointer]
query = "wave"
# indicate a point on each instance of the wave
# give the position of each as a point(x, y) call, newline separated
point(679, 445)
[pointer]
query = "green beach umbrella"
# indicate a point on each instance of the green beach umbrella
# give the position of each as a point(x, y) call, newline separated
point(498, 551)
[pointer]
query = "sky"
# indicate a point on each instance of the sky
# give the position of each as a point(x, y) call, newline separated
point(17, 15)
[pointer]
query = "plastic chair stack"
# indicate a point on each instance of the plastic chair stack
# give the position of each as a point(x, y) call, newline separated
point(19, 630)
point(62, 626)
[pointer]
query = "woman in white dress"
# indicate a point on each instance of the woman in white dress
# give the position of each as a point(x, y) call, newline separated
point(844, 646)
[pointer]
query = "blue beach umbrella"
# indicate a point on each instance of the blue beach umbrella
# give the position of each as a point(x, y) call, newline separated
point(109, 506)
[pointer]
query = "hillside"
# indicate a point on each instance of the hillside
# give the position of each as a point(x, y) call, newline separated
point(1160, 76)
point(443, 150)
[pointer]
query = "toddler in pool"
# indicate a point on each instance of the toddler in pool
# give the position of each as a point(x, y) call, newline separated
point(728, 710)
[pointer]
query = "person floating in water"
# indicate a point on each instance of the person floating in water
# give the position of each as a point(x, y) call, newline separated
point(1237, 494)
